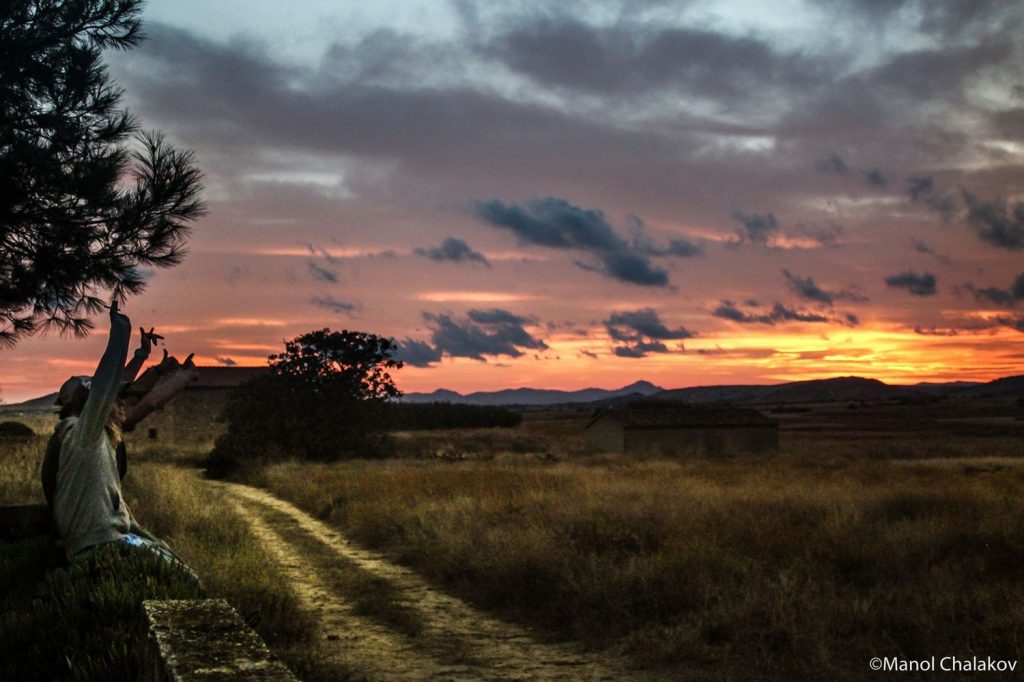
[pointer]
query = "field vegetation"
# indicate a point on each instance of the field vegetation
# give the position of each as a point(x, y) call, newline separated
point(738, 569)
point(876, 532)
point(83, 622)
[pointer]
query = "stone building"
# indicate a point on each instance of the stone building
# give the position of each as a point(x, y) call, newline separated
point(682, 429)
point(192, 417)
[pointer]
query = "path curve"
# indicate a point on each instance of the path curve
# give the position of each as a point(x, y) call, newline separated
point(488, 649)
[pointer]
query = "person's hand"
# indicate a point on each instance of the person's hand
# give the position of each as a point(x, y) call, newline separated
point(116, 317)
point(149, 339)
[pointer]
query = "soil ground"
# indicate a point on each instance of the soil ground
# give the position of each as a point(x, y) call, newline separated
point(419, 633)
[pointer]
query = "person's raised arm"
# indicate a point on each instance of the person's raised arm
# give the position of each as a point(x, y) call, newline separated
point(169, 385)
point(106, 382)
point(146, 342)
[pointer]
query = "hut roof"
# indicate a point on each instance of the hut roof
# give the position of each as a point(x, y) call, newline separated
point(683, 416)
point(225, 377)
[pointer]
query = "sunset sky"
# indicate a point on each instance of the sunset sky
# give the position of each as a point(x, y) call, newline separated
point(572, 194)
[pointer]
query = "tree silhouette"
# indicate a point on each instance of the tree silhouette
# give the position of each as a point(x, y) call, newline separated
point(81, 210)
point(353, 364)
point(325, 398)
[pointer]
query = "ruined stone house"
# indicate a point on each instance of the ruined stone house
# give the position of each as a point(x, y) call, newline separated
point(192, 416)
point(682, 429)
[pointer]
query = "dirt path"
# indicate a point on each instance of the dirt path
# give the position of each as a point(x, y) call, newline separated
point(446, 639)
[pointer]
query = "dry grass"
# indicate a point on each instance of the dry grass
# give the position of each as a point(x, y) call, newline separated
point(192, 519)
point(739, 569)
point(800, 566)
point(174, 504)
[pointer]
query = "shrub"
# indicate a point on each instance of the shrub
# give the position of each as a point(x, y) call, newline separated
point(422, 416)
point(85, 621)
point(324, 400)
point(15, 430)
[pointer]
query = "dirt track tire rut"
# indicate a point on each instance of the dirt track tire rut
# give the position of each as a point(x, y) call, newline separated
point(478, 646)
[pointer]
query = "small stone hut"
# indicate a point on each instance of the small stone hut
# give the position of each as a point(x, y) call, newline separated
point(192, 416)
point(682, 429)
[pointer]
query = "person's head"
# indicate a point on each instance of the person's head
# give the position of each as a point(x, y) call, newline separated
point(72, 396)
point(71, 400)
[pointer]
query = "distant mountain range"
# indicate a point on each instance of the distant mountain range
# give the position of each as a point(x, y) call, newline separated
point(534, 396)
point(839, 389)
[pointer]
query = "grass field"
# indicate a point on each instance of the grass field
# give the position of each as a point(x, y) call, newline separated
point(167, 500)
point(741, 569)
point(881, 533)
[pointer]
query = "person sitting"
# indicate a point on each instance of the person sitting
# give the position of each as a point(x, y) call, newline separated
point(140, 398)
point(84, 492)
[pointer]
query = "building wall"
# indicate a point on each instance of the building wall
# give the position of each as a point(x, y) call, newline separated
point(191, 419)
point(711, 441)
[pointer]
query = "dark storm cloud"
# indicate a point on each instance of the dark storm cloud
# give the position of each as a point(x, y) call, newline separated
point(918, 284)
point(758, 228)
point(453, 250)
point(417, 353)
point(921, 189)
point(996, 222)
point(319, 251)
point(643, 244)
point(498, 316)
point(226, 361)
point(918, 186)
point(1007, 298)
point(958, 17)
point(235, 98)
point(763, 229)
point(321, 273)
point(994, 295)
point(682, 248)
point(880, 110)
point(833, 164)
point(937, 73)
point(628, 267)
point(728, 310)
point(238, 102)
point(829, 234)
point(922, 247)
point(556, 223)
point(1015, 323)
point(634, 58)
point(990, 326)
point(636, 324)
point(333, 304)
point(806, 288)
point(875, 178)
point(553, 222)
point(640, 349)
point(1009, 122)
point(245, 109)
point(640, 332)
point(486, 332)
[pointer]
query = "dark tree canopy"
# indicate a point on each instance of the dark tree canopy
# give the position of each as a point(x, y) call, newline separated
point(356, 363)
point(325, 398)
point(81, 210)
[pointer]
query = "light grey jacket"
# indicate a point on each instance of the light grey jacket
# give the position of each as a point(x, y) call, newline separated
point(87, 505)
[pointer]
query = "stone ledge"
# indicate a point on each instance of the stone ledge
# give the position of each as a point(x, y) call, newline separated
point(205, 639)
point(18, 522)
